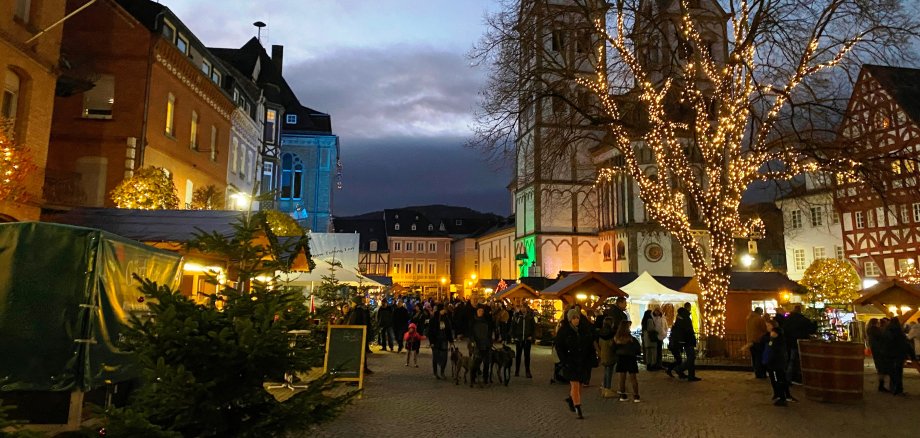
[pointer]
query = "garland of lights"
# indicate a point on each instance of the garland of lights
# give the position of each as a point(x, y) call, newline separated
point(15, 164)
point(727, 168)
point(911, 275)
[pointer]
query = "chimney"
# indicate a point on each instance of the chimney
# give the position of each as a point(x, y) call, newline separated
point(277, 56)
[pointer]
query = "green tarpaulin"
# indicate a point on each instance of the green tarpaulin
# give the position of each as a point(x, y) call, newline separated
point(66, 294)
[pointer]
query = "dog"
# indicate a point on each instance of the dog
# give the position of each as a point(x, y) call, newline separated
point(460, 364)
point(502, 359)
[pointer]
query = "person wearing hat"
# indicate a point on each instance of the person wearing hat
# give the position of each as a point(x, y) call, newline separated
point(575, 347)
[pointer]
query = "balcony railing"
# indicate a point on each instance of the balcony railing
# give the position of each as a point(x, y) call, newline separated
point(63, 188)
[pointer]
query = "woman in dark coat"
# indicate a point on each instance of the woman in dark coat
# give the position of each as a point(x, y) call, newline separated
point(440, 335)
point(575, 348)
point(897, 349)
point(874, 339)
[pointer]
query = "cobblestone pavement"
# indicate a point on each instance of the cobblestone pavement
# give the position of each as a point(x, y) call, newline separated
point(401, 401)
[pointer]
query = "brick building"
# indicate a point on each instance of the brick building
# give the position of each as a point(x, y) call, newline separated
point(145, 93)
point(29, 69)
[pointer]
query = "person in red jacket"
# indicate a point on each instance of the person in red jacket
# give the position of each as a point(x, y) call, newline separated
point(413, 342)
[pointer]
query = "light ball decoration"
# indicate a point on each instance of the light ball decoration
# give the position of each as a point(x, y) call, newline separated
point(151, 188)
point(831, 281)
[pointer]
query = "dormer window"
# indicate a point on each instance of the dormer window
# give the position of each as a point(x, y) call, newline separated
point(373, 245)
point(291, 119)
point(458, 222)
point(396, 227)
point(430, 227)
point(413, 227)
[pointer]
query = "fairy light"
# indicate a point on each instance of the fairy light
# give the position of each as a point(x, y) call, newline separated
point(727, 165)
point(15, 164)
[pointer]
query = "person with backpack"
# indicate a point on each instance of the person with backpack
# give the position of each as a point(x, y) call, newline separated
point(774, 360)
point(608, 357)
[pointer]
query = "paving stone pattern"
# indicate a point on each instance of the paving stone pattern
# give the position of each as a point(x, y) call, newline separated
point(401, 401)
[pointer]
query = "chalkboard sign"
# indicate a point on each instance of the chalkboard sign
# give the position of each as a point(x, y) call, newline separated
point(345, 345)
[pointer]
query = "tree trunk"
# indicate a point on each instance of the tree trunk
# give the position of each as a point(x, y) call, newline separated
point(714, 281)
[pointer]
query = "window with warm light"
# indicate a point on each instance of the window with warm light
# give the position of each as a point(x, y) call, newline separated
point(193, 140)
point(170, 115)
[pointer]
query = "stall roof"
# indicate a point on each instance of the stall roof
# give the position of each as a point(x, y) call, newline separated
point(151, 225)
point(647, 288)
point(618, 278)
point(676, 283)
point(894, 292)
point(519, 290)
point(592, 283)
point(762, 281)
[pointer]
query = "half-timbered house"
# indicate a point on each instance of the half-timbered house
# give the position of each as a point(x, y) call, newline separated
point(881, 214)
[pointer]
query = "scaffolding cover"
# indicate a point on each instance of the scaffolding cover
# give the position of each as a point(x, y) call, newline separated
point(66, 296)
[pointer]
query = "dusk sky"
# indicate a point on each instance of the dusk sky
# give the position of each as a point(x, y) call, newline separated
point(395, 77)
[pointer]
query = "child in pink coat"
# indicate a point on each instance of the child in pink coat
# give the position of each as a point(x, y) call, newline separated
point(413, 342)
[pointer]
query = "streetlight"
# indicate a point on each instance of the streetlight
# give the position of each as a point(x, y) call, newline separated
point(747, 260)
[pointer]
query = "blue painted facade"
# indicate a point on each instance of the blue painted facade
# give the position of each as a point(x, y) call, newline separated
point(309, 170)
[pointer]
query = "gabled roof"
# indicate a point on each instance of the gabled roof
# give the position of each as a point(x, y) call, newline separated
point(902, 83)
point(676, 283)
point(595, 283)
point(620, 279)
point(893, 292)
point(275, 86)
point(762, 281)
point(368, 229)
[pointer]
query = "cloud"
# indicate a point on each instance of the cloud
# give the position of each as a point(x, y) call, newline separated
point(399, 171)
point(394, 91)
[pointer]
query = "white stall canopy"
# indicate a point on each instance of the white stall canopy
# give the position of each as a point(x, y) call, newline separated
point(645, 291)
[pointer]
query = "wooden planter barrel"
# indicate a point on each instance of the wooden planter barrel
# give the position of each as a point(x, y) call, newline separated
point(832, 371)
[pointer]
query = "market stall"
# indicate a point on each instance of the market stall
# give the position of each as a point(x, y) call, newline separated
point(590, 289)
point(645, 292)
point(894, 296)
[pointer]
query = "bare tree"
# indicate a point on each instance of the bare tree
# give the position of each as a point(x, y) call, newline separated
point(762, 106)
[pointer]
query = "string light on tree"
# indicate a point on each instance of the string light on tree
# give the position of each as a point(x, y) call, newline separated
point(732, 149)
point(15, 164)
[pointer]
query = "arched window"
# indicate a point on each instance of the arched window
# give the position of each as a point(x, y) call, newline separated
point(298, 180)
point(607, 252)
point(12, 85)
point(621, 250)
point(287, 175)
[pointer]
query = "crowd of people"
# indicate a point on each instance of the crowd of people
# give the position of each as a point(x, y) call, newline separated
point(773, 341)
point(585, 340)
point(891, 345)
point(403, 323)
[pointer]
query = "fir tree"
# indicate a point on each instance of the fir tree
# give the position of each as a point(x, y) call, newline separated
point(206, 367)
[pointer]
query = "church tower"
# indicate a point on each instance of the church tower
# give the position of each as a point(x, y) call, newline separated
point(554, 201)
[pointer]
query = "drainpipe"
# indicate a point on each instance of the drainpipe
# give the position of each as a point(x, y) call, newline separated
point(154, 36)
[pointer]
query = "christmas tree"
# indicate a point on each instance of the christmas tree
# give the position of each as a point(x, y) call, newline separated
point(207, 368)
